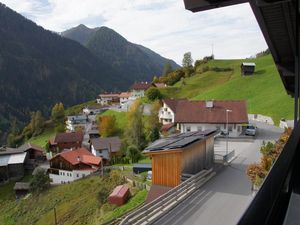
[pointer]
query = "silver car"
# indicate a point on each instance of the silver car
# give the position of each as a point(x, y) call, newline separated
point(250, 130)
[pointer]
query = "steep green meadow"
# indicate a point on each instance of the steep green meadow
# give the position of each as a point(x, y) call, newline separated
point(75, 203)
point(263, 91)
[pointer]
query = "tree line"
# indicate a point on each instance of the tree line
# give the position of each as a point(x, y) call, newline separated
point(36, 126)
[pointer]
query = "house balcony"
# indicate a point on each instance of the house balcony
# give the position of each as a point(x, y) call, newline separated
point(164, 115)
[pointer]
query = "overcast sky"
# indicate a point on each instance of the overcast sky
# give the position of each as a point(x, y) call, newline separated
point(161, 25)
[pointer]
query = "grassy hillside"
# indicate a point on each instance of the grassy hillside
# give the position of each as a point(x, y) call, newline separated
point(76, 203)
point(263, 91)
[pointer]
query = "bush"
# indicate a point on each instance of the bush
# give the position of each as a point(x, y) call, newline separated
point(153, 94)
point(40, 181)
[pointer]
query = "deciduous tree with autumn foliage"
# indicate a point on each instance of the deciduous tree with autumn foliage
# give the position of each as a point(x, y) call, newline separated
point(108, 126)
point(270, 152)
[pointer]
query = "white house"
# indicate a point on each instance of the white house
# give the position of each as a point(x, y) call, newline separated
point(71, 165)
point(138, 89)
point(108, 98)
point(106, 147)
point(124, 98)
point(94, 109)
point(74, 122)
point(205, 115)
point(167, 112)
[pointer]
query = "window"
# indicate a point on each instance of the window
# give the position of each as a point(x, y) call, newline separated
point(230, 128)
point(77, 175)
point(239, 128)
point(199, 128)
point(165, 109)
point(188, 129)
point(218, 127)
point(234, 126)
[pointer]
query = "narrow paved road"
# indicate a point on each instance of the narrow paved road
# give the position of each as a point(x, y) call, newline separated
point(223, 199)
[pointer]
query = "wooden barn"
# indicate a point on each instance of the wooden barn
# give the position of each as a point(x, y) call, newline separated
point(186, 153)
point(247, 68)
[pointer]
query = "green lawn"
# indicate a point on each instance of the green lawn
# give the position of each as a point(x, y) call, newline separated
point(76, 203)
point(263, 91)
point(43, 138)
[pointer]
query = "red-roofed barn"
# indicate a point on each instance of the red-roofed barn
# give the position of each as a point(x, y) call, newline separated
point(119, 195)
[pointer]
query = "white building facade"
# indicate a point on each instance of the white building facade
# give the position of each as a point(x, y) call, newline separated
point(205, 115)
point(66, 176)
point(234, 130)
point(166, 114)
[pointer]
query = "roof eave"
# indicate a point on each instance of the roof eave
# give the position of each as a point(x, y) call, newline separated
point(202, 5)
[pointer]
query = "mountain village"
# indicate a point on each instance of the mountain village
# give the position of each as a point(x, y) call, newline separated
point(158, 144)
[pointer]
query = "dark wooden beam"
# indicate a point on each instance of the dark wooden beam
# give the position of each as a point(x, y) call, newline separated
point(201, 5)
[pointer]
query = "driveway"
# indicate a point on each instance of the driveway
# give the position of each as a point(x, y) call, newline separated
point(226, 196)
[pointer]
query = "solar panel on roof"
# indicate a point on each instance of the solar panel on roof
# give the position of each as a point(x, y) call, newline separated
point(162, 144)
point(184, 141)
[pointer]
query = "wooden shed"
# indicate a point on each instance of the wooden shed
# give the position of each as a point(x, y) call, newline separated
point(186, 153)
point(119, 196)
point(21, 189)
point(247, 68)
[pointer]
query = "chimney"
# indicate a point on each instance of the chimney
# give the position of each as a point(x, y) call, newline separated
point(209, 103)
point(78, 158)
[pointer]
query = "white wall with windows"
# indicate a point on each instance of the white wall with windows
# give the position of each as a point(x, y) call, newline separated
point(233, 129)
point(166, 115)
point(138, 93)
point(65, 176)
point(101, 153)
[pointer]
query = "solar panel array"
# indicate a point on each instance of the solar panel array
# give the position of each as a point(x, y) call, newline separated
point(178, 140)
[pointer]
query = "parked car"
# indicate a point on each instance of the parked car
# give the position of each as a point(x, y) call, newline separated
point(251, 130)
point(149, 175)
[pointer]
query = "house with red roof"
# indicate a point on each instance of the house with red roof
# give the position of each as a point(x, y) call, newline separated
point(138, 89)
point(72, 165)
point(202, 115)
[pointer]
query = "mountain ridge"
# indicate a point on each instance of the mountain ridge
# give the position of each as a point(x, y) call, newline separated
point(138, 61)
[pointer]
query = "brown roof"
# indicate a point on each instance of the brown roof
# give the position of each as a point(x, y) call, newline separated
point(166, 127)
point(141, 86)
point(113, 143)
point(197, 112)
point(80, 155)
point(27, 146)
point(125, 95)
point(172, 103)
point(108, 95)
point(69, 137)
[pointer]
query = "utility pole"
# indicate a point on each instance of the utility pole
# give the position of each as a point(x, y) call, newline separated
point(227, 132)
point(55, 219)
